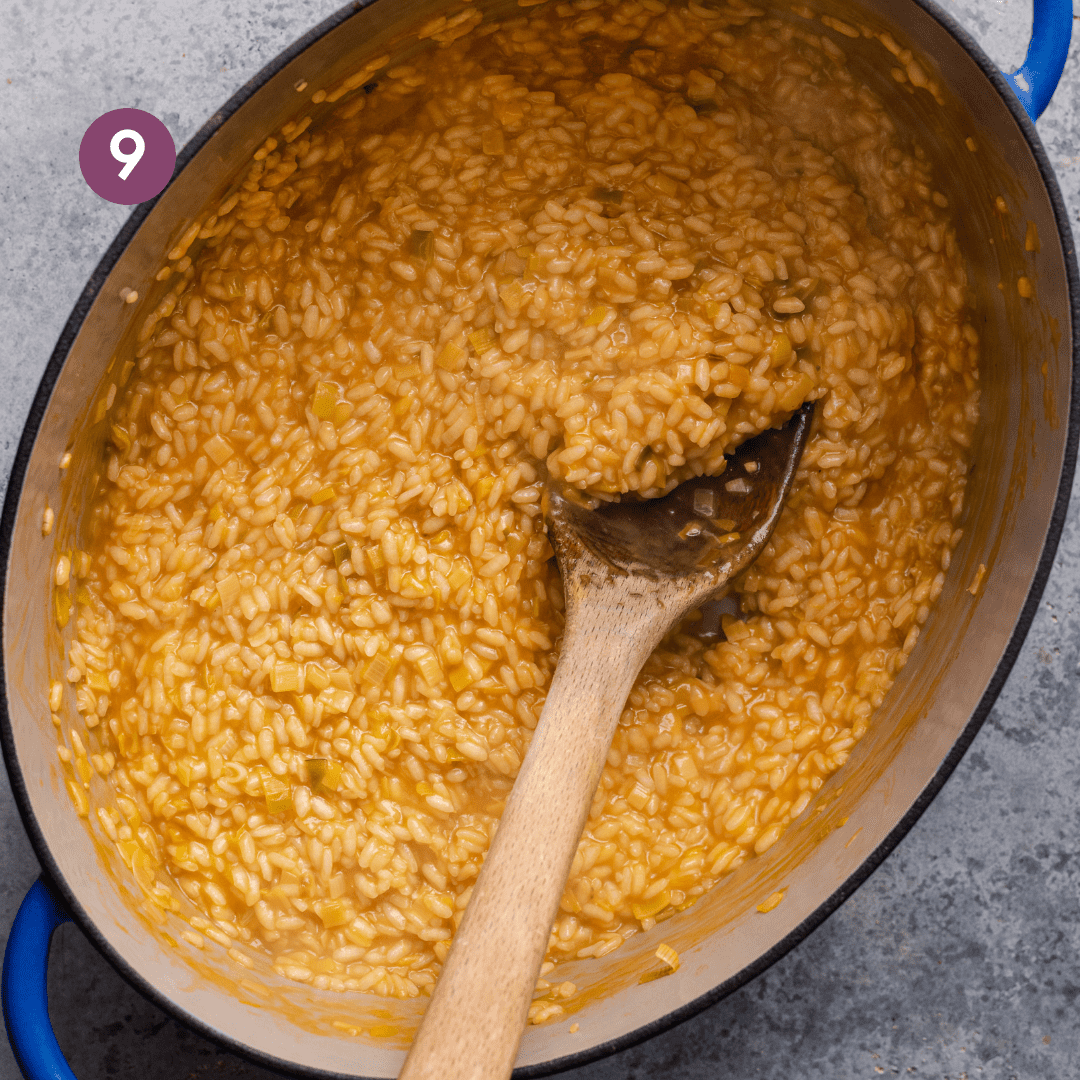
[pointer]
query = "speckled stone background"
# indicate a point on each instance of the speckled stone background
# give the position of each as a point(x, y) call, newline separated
point(959, 958)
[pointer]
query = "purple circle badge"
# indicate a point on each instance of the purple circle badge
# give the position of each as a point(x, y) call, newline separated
point(127, 156)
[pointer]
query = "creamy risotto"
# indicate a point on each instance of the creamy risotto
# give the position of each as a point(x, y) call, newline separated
point(317, 613)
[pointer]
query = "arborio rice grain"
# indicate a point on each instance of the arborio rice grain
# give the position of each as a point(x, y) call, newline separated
point(318, 613)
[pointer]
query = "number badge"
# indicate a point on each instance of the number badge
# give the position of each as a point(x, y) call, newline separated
point(127, 156)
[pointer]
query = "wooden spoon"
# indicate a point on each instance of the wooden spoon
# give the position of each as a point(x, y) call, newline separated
point(630, 571)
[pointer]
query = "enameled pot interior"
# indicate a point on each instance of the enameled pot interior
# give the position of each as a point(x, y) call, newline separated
point(1021, 454)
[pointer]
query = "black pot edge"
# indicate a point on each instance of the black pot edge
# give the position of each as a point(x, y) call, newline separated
point(819, 915)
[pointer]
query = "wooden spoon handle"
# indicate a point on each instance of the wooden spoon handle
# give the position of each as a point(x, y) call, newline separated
point(474, 1022)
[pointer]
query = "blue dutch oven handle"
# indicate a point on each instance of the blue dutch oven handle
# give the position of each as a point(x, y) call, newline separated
point(26, 1004)
point(1036, 79)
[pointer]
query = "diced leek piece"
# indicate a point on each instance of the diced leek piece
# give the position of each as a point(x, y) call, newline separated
point(295, 511)
point(219, 449)
point(376, 559)
point(712, 308)
point(512, 296)
point(277, 794)
point(430, 669)
point(332, 912)
point(451, 358)
point(323, 774)
point(324, 495)
point(320, 525)
point(285, 677)
point(596, 316)
point(667, 955)
point(608, 195)
point(424, 789)
point(217, 512)
point(492, 142)
point(454, 754)
point(315, 676)
point(409, 371)
point(183, 772)
point(342, 552)
point(375, 673)
point(422, 244)
point(341, 679)
point(484, 486)
point(532, 265)
point(647, 909)
point(228, 589)
point(62, 606)
point(482, 340)
point(460, 678)
point(402, 405)
point(323, 400)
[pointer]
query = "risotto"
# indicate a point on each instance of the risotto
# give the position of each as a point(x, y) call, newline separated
point(604, 241)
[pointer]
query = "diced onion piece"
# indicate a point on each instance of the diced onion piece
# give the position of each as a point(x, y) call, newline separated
point(285, 677)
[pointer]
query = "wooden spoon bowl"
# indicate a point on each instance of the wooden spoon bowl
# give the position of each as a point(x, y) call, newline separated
point(630, 571)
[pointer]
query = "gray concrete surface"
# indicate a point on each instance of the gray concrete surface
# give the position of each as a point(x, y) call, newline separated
point(959, 958)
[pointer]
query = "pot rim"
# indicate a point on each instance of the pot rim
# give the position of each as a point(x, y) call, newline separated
point(51, 375)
